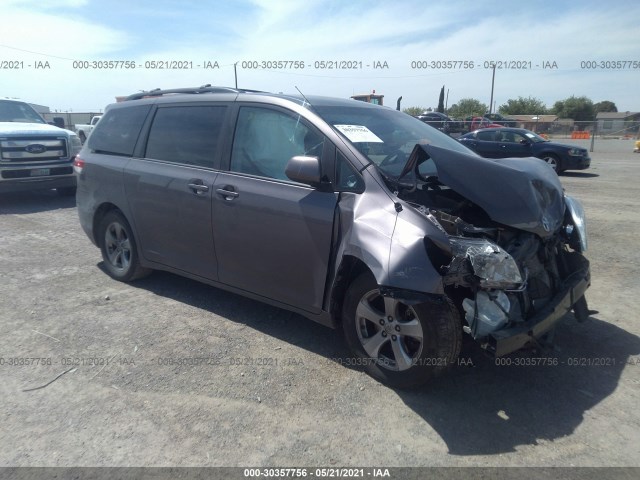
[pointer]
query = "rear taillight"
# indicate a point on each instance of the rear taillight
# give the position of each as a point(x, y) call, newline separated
point(78, 165)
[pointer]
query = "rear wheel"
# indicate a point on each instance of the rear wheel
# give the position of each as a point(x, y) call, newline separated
point(119, 250)
point(399, 344)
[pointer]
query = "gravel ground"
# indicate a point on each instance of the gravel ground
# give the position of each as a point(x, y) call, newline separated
point(272, 391)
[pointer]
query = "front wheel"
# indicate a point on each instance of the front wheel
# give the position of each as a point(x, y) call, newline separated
point(399, 344)
point(553, 162)
point(118, 247)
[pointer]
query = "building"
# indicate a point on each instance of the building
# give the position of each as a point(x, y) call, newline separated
point(618, 123)
point(535, 123)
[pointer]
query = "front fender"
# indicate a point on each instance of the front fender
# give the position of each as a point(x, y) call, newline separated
point(390, 242)
point(409, 265)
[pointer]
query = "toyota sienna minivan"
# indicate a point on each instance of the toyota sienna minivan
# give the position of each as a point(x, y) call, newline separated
point(354, 215)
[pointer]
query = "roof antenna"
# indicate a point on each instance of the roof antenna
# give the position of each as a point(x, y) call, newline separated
point(305, 98)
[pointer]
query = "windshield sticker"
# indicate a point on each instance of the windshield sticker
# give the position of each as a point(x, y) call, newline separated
point(358, 134)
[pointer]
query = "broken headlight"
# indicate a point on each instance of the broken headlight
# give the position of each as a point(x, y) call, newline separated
point(494, 266)
point(578, 218)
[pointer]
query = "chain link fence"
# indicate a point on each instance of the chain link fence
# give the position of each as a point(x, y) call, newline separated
point(613, 129)
point(603, 136)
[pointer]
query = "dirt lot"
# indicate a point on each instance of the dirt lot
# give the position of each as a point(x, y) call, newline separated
point(273, 391)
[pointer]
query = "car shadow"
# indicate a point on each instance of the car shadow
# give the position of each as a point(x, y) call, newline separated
point(487, 405)
point(276, 322)
point(481, 405)
point(579, 174)
point(34, 201)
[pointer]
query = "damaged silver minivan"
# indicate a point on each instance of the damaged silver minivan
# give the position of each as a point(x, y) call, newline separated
point(351, 214)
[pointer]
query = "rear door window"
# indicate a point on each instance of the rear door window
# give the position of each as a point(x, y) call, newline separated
point(188, 135)
point(118, 130)
point(488, 136)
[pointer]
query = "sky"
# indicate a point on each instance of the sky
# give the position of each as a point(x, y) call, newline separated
point(56, 52)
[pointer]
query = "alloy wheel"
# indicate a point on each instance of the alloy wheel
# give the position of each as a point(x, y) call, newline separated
point(389, 331)
point(117, 246)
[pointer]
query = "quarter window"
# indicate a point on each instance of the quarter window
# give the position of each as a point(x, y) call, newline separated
point(266, 139)
point(347, 178)
point(117, 132)
point(187, 135)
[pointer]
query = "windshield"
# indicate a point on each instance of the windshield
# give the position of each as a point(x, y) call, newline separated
point(18, 112)
point(386, 137)
point(534, 137)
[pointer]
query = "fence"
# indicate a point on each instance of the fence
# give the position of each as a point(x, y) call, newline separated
point(584, 130)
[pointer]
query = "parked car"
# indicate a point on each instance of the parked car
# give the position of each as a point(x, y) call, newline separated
point(33, 154)
point(518, 142)
point(83, 130)
point(499, 119)
point(351, 214)
point(440, 121)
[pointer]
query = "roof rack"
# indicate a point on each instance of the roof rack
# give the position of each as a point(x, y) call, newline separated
point(157, 92)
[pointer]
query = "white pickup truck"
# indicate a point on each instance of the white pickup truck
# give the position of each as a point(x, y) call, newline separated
point(83, 131)
point(33, 154)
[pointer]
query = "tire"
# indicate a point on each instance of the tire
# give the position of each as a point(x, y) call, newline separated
point(401, 345)
point(119, 249)
point(66, 191)
point(83, 137)
point(552, 161)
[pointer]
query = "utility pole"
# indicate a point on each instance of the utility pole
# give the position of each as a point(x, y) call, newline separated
point(594, 131)
point(493, 78)
point(235, 72)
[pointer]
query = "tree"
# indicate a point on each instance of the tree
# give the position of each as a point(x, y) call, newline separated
point(523, 106)
point(605, 106)
point(580, 109)
point(413, 110)
point(441, 101)
point(466, 107)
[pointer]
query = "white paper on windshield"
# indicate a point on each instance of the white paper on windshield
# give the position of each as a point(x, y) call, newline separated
point(358, 134)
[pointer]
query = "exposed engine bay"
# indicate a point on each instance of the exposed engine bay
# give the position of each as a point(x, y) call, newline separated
point(498, 275)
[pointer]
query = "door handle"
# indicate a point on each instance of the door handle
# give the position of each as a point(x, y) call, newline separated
point(227, 193)
point(198, 188)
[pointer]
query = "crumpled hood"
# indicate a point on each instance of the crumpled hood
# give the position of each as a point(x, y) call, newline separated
point(31, 129)
point(524, 193)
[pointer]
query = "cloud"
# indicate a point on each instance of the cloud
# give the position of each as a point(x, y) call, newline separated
point(63, 36)
point(43, 4)
point(317, 30)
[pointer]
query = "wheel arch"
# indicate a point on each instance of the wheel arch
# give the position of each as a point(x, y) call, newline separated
point(350, 268)
point(99, 214)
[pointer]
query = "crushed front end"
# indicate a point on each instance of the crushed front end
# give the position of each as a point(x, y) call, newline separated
point(515, 265)
point(514, 286)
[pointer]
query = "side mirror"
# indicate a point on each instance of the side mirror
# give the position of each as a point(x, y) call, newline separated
point(304, 170)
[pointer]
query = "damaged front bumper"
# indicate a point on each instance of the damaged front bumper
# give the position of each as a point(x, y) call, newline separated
point(508, 340)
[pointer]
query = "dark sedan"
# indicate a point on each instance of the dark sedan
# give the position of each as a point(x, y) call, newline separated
point(440, 121)
point(518, 142)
